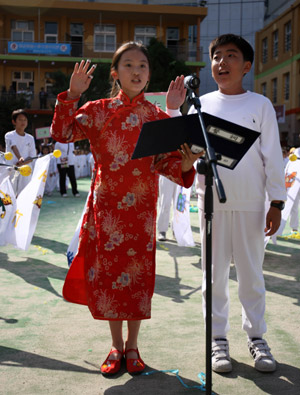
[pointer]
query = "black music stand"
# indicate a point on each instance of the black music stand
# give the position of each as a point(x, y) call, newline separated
point(225, 144)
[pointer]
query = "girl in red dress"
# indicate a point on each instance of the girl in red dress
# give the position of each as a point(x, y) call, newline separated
point(113, 272)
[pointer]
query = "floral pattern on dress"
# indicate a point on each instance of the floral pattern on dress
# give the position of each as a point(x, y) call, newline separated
point(114, 269)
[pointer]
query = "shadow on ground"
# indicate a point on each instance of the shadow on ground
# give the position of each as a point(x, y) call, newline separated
point(23, 359)
point(286, 378)
point(34, 271)
point(53, 245)
point(158, 383)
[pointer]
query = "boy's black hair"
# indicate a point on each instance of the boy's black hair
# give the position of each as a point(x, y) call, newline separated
point(239, 41)
point(18, 112)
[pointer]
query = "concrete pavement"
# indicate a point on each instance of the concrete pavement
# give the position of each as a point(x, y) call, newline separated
point(49, 346)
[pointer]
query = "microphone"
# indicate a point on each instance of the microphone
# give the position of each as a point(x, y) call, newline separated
point(191, 82)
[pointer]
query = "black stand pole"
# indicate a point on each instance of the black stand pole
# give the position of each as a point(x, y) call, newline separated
point(208, 168)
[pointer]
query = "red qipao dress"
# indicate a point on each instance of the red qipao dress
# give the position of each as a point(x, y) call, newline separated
point(113, 271)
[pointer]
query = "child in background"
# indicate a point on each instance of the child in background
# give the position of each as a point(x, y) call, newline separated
point(114, 269)
point(22, 146)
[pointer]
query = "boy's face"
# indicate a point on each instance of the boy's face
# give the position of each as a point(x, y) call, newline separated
point(20, 123)
point(228, 68)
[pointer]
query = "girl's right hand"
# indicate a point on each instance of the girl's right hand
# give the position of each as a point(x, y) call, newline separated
point(81, 78)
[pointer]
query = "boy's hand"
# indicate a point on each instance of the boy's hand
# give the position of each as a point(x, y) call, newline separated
point(273, 220)
point(188, 158)
point(81, 78)
point(20, 162)
point(176, 93)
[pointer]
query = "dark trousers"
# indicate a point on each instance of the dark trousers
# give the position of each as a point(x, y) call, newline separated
point(63, 172)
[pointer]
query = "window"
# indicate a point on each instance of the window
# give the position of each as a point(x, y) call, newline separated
point(286, 86)
point(288, 36)
point(144, 34)
point(264, 89)
point(22, 80)
point(265, 50)
point(104, 38)
point(50, 32)
point(275, 44)
point(172, 40)
point(274, 90)
point(22, 31)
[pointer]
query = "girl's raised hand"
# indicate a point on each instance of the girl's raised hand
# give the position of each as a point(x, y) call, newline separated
point(81, 78)
point(176, 93)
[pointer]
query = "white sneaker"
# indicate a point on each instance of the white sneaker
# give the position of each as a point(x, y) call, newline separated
point(64, 195)
point(260, 351)
point(221, 362)
point(162, 236)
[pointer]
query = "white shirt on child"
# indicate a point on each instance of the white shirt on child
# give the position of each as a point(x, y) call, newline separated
point(25, 145)
point(261, 170)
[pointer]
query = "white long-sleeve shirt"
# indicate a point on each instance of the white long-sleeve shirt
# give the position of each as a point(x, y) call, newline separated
point(261, 170)
point(67, 151)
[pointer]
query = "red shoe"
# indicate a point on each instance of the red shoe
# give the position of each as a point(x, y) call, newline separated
point(133, 365)
point(111, 366)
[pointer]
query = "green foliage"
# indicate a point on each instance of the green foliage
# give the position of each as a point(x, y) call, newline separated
point(60, 82)
point(100, 85)
point(165, 67)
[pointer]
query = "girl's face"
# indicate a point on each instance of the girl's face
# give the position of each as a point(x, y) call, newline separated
point(133, 72)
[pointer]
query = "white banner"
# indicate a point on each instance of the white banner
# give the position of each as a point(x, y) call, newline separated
point(181, 218)
point(292, 184)
point(7, 209)
point(27, 207)
point(73, 246)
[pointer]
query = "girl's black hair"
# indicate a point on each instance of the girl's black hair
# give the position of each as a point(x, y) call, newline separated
point(116, 58)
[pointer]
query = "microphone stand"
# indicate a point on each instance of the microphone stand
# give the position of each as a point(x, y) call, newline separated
point(208, 168)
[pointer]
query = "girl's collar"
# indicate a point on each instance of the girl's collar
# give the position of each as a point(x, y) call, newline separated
point(125, 99)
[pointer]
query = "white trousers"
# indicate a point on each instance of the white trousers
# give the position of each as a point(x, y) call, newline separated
point(167, 195)
point(294, 214)
point(238, 237)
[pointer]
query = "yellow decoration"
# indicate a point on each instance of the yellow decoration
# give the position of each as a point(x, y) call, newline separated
point(292, 157)
point(25, 170)
point(8, 155)
point(56, 153)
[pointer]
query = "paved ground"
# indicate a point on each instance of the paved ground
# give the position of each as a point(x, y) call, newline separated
point(48, 346)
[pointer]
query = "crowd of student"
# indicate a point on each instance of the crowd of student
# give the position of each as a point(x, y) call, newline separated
point(25, 150)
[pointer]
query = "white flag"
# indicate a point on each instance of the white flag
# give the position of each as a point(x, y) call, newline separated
point(292, 184)
point(7, 209)
point(28, 206)
point(73, 246)
point(181, 218)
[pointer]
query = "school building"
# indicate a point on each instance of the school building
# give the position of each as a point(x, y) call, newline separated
point(42, 36)
point(277, 70)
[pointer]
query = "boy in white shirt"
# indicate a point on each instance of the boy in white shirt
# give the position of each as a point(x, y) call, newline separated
point(239, 225)
point(22, 146)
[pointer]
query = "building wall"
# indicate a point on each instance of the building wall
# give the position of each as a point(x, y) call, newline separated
point(229, 16)
point(125, 16)
point(286, 62)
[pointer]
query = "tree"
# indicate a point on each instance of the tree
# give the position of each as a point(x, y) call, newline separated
point(165, 67)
